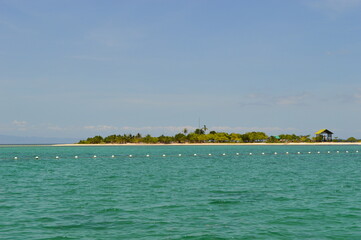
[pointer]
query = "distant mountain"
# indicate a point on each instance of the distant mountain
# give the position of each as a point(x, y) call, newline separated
point(4, 139)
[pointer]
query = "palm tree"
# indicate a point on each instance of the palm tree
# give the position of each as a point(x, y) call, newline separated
point(205, 128)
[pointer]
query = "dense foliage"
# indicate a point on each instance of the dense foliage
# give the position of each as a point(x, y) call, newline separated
point(200, 136)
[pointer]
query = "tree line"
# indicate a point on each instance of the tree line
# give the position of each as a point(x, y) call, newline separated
point(200, 136)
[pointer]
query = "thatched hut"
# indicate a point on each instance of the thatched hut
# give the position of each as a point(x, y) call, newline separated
point(324, 134)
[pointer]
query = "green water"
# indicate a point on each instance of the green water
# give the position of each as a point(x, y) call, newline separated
point(270, 196)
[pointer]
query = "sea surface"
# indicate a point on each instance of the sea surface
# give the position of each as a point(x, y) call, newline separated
point(152, 192)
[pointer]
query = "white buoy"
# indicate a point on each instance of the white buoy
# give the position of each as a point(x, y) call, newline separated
point(275, 153)
point(36, 157)
point(357, 151)
point(263, 153)
point(298, 152)
point(309, 152)
point(209, 154)
point(130, 155)
point(195, 154)
point(338, 151)
point(286, 152)
point(57, 157)
point(147, 155)
point(328, 152)
point(250, 153)
point(163, 155)
point(318, 152)
point(16, 158)
point(346, 151)
point(95, 156)
point(180, 155)
point(224, 154)
point(76, 157)
point(113, 156)
point(237, 153)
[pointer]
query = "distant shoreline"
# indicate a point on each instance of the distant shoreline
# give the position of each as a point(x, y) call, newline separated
point(207, 144)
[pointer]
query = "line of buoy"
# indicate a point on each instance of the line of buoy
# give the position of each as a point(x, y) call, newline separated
point(209, 154)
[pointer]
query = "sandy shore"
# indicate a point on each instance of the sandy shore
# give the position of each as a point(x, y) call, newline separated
point(208, 144)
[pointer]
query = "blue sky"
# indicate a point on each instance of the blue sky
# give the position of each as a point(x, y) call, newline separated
point(80, 68)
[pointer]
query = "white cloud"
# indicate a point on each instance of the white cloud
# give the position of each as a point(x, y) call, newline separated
point(292, 100)
point(19, 123)
point(101, 128)
point(55, 128)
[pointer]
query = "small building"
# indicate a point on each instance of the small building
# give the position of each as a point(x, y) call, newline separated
point(324, 134)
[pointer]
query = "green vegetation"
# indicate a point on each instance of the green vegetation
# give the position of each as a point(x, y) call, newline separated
point(200, 136)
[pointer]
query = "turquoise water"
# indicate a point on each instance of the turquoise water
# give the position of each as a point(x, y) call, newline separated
point(259, 196)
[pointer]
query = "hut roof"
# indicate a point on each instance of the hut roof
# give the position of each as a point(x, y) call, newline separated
point(323, 131)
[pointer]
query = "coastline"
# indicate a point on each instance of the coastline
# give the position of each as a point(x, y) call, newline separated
point(206, 144)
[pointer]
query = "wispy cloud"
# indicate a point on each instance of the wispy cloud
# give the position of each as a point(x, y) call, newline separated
point(300, 99)
point(334, 5)
point(357, 97)
point(254, 129)
point(338, 53)
point(267, 100)
point(20, 125)
point(145, 129)
point(90, 58)
point(12, 27)
point(113, 37)
point(176, 129)
point(101, 128)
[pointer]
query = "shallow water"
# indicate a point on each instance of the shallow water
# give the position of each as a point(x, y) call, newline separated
point(259, 196)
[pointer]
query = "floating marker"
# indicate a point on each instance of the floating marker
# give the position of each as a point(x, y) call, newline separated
point(209, 154)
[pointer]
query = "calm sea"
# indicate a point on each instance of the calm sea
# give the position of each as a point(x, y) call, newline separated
point(229, 194)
